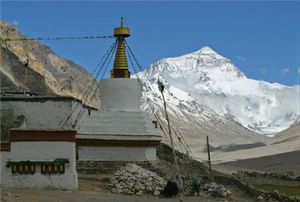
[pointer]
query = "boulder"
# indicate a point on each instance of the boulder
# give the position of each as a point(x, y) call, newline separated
point(217, 190)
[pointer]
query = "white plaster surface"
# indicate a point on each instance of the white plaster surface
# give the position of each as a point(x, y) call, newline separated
point(135, 125)
point(41, 151)
point(38, 113)
point(120, 94)
point(119, 137)
point(117, 153)
point(119, 118)
point(4, 157)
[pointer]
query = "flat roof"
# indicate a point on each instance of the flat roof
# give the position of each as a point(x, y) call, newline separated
point(36, 97)
point(43, 129)
point(42, 98)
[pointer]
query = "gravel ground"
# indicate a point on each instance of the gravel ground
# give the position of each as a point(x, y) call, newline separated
point(14, 195)
point(284, 162)
point(91, 188)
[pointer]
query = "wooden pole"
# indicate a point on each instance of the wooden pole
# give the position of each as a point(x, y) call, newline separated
point(161, 89)
point(25, 75)
point(209, 161)
point(172, 144)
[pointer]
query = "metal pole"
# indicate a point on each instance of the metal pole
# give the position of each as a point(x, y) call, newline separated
point(209, 161)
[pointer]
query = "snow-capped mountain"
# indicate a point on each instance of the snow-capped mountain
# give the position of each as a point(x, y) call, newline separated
point(210, 88)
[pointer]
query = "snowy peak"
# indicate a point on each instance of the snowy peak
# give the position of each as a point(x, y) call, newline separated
point(204, 61)
point(205, 50)
point(211, 80)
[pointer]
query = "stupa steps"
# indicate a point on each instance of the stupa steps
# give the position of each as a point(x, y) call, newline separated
point(121, 114)
point(119, 122)
point(113, 130)
point(129, 119)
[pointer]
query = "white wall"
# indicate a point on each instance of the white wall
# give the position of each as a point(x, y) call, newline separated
point(41, 151)
point(117, 153)
point(119, 118)
point(120, 94)
point(4, 157)
point(38, 114)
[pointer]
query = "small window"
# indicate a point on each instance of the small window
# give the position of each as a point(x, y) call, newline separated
point(23, 168)
point(52, 169)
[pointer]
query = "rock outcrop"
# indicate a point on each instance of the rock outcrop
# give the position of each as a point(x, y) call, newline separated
point(51, 73)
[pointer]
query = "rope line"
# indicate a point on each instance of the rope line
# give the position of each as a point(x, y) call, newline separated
point(83, 110)
point(87, 97)
point(130, 59)
point(58, 38)
point(140, 68)
point(87, 91)
point(105, 62)
point(180, 137)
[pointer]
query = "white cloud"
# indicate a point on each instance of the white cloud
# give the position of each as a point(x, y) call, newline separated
point(263, 71)
point(240, 57)
point(284, 71)
point(15, 22)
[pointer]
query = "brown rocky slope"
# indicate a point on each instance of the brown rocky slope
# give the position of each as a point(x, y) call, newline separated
point(50, 72)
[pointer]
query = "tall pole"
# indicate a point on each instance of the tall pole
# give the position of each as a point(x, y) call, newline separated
point(161, 89)
point(209, 161)
point(25, 75)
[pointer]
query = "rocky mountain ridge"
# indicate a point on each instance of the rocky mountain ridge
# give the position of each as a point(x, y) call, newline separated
point(60, 76)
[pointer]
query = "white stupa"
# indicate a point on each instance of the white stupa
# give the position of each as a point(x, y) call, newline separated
point(119, 131)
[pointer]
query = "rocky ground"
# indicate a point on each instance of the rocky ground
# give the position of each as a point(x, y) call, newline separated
point(85, 196)
point(120, 181)
point(92, 188)
point(279, 163)
point(97, 186)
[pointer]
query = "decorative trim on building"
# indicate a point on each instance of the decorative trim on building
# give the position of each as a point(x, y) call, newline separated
point(122, 143)
point(33, 135)
point(5, 146)
point(56, 166)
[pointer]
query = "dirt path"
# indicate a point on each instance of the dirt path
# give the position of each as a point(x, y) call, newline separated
point(91, 188)
point(14, 195)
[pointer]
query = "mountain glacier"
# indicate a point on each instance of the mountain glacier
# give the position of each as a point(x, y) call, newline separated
point(207, 86)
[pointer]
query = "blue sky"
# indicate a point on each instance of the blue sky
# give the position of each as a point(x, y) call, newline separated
point(261, 38)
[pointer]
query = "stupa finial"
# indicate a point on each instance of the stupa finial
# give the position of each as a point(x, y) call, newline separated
point(120, 69)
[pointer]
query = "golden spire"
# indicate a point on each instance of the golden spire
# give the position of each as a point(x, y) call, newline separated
point(120, 69)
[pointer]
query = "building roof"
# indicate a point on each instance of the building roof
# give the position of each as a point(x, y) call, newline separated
point(34, 98)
